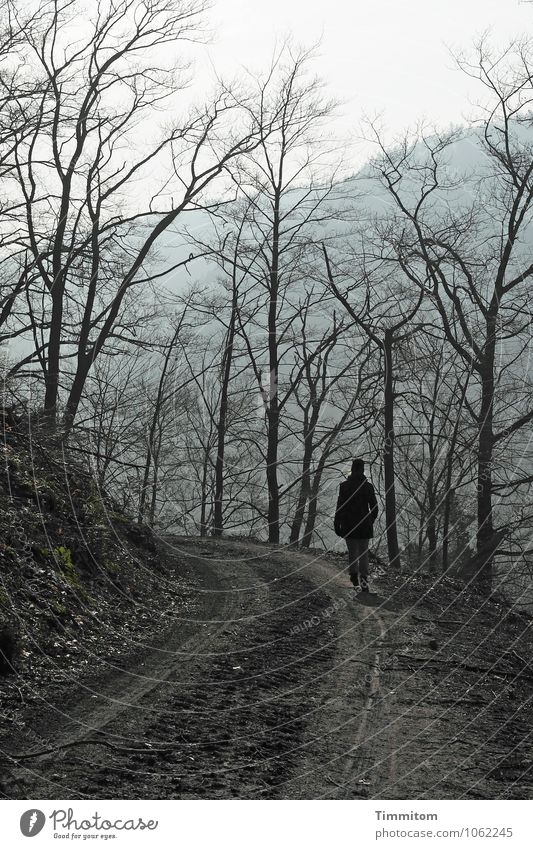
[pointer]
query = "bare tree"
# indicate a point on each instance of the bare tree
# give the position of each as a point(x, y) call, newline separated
point(329, 380)
point(435, 439)
point(106, 435)
point(284, 201)
point(466, 245)
point(385, 331)
point(20, 96)
point(89, 230)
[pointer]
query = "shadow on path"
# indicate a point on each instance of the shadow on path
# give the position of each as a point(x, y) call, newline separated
point(374, 600)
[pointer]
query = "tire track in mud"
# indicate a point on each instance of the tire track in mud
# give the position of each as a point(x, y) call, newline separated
point(99, 704)
point(340, 763)
point(353, 760)
point(249, 700)
point(183, 715)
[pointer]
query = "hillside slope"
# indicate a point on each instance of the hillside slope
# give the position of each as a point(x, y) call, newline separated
point(80, 583)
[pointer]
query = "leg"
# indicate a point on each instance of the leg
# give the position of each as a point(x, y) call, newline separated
point(363, 563)
point(351, 545)
point(363, 557)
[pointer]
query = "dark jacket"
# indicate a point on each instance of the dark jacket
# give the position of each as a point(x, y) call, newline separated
point(357, 508)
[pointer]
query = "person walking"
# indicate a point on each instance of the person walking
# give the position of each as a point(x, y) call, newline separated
point(355, 514)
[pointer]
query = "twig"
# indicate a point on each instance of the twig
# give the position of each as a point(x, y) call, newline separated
point(336, 783)
point(90, 742)
point(521, 660)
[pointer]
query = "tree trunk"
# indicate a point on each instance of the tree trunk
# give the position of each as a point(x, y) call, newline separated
point(485, 528)
point(218, 517)
point(144, 484)
point(450, 493)
point(272, 475)
point(431, 526)
point(51, 376)
point(155, 486)
point(299, 513)
point(448, 503)
point(203, 506)
point(154, 423)
point(305, 484)
point(273, 399)
point(312, 509)
point(388, 455)
point(420, 542)
point(75, 394)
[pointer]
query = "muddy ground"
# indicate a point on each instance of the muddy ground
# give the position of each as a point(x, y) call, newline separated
point(277, 681)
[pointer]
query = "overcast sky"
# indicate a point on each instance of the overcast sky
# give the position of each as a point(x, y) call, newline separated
point(380, 56)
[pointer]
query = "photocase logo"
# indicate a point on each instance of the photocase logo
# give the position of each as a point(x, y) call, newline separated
point(32, 822)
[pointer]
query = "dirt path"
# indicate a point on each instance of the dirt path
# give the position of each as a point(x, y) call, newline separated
point(282, 684)
point(338, 761)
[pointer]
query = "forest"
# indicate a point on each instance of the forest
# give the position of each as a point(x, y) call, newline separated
point(208, 305)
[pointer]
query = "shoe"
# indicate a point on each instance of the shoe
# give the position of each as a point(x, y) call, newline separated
point(355, 580)
point(364, 585)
